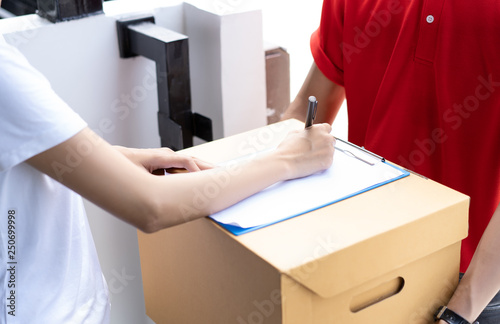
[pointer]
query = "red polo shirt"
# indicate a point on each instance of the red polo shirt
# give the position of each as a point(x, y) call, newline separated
point(422, 83)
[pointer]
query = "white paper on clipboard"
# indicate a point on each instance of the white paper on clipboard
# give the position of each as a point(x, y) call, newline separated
point(353, 171)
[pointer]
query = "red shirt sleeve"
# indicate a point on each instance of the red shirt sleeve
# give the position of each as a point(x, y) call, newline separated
point(326, 41)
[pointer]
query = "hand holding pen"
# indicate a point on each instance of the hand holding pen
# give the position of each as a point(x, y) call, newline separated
point(311, 115)
point(311, 111)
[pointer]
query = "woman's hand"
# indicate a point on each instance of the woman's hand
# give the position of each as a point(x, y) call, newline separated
point(163, 158)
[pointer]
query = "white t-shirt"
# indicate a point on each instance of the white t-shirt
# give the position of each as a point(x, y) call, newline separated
point(49, 270)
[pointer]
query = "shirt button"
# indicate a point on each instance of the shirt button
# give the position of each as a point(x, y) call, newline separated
point(429, 19)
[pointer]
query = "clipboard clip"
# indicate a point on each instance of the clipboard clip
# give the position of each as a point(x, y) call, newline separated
point(351, 154)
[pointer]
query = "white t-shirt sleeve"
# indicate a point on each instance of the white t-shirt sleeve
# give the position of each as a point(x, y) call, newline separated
point(33, 118)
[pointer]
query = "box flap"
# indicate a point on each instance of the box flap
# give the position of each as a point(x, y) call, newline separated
point(346, 244)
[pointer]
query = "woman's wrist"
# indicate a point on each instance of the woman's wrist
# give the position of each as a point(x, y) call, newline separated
point(279, 166)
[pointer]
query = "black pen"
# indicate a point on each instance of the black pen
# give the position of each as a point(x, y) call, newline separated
point(311, 111)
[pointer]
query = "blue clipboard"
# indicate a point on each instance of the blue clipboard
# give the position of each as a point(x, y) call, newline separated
point(347, 155)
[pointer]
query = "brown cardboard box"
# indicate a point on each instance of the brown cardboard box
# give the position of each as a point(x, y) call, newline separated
point(389, 255)
point(277, 82)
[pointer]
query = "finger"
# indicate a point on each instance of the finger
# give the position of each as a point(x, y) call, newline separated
point(185, 162)
point(191, 166)
point(327, 127)
point(195, 164)
point(174, 161)
point(166, 150)
point(204, 165)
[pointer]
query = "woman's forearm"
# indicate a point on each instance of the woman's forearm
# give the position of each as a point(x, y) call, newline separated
point(200, 194)
point(105, 176)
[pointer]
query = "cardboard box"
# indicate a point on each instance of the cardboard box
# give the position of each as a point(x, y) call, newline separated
point(277, 81)
point(390, 255)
